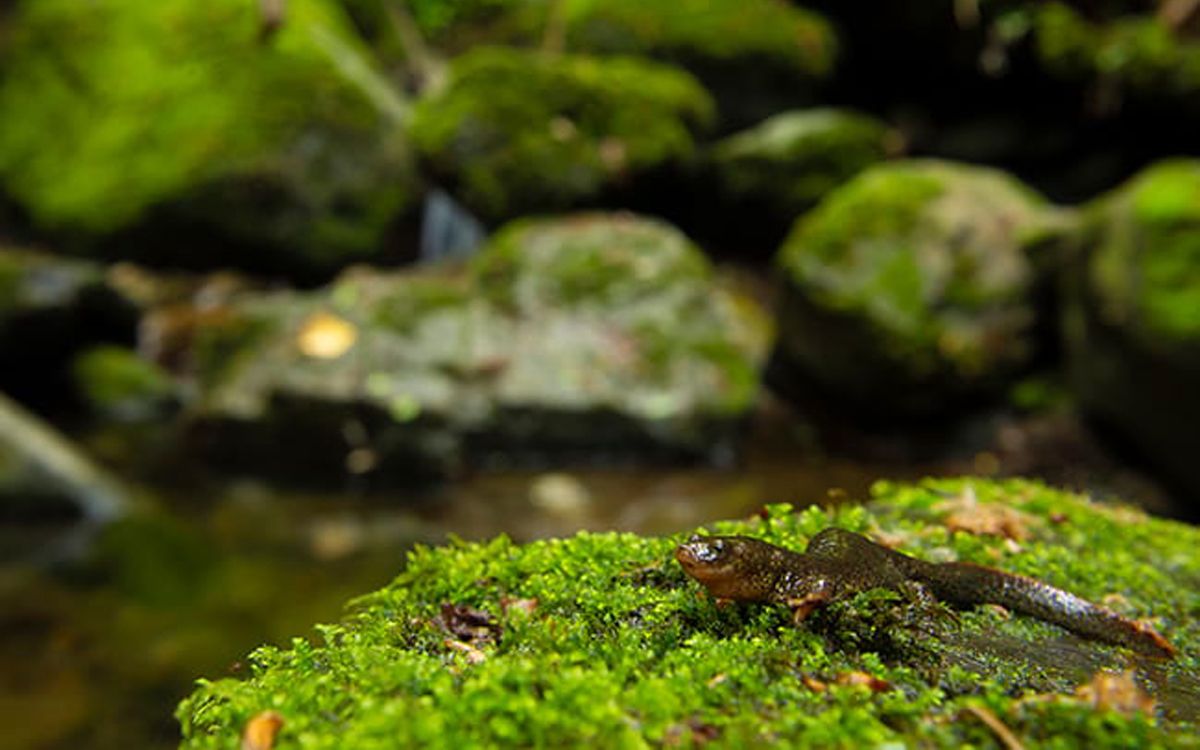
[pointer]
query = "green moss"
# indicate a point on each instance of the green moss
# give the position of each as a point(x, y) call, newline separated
point(122, 106)
point(700, 30)
point(794, 158)
point(1138, 52)
point(521, 131)
point(117, 382)
point(1145, 260)
point(602, 639)
point(922, 266)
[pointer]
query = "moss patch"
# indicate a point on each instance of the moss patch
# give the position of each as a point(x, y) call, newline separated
point(519, 131)
point(921, 268)
point(601, 638)
point(121, 107)
point(1144, 254)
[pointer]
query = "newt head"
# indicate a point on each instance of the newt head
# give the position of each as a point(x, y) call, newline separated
point(730, 567)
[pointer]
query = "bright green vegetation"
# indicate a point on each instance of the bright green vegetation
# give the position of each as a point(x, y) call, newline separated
point(1140, 52)
point(766, 31)
point(1144, 252)
point(519, 131)
point(601, 639)
point(794, 158)
point(116, 108)
point(922, 269)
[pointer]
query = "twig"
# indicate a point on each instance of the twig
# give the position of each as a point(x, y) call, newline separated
point(425, 64)
point(1003, 733)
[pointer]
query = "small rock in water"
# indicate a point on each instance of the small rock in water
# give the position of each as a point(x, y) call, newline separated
point(560, 494)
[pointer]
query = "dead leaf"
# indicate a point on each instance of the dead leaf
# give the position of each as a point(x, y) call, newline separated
point(1116, 691)
point(261, 730)
point(469, 625)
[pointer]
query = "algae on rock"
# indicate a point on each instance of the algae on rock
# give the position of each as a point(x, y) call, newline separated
point(911, 287)
point(602, 639)
point(178, 118)
point(1133, 315)
point(593, 332)
point(519, 131)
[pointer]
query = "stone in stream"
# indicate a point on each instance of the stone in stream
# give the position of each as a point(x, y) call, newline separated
point(574, 339)
point(1133, 316)
point(915, 287)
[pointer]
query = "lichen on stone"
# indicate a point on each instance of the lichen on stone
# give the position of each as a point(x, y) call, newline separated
point(601, 638)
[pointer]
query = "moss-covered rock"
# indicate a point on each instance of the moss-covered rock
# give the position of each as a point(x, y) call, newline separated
point(602, 639)
point(791, 160)
point(518, 131)
point(910, 287)
point(591, 333)
point(186, 121)
point(1133, 323)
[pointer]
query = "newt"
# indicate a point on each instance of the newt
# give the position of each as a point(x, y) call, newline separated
point(839, 563)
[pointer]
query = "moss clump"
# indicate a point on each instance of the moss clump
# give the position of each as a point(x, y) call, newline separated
point(181, 109)
point(918, 272)
point(1139, 53)
point(1144, 253)
point(116, 382)
point(702, 31)
point(792, 159)
point(602, 639)
point(520, 131)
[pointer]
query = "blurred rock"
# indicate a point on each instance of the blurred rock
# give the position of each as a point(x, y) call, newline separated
point(176, 133)
point(1133, 322)
point(50, 308)
point(772, 172)
point(755, 56)
point(561, 495)
point(567, 339)
point(911, 288)
point(517, 131)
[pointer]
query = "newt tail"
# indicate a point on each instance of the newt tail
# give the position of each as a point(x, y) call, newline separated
point(839, 563)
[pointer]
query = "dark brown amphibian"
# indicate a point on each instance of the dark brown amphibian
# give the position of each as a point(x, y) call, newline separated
point(839, 563)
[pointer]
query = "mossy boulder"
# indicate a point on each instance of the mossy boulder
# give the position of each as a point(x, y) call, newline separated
point(601, 639)
point(1133, 322)
point(755, 56)
point(51, 308)
point(590, 334)
point(912, 288)
point(184, 133)
point(770, 173)
point(518, 131)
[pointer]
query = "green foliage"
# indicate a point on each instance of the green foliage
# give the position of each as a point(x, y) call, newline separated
point(1144, 252)
point(521, 131)
point(602, 639)
point(1137, 51)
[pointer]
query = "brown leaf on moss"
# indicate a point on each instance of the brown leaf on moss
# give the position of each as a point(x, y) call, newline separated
point(1115, 691)
point(469, 625)
point(474, 655)
point(261, 730)
point(966, 513)
point(864, 679)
